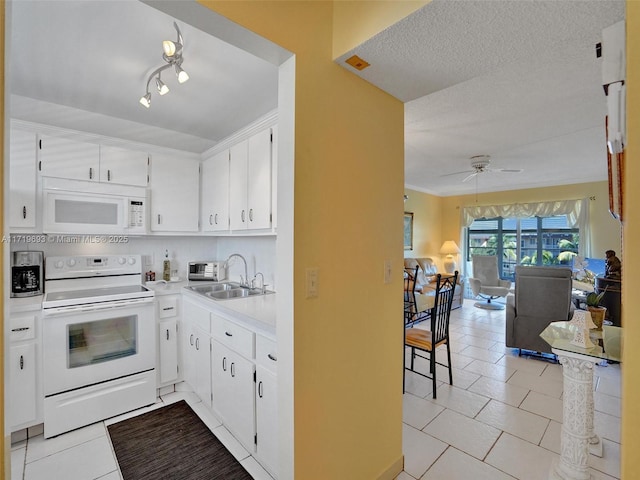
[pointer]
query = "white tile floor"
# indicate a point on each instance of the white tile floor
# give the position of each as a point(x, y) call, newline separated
point(500, 420)
point(87, 454)
point(502, 417)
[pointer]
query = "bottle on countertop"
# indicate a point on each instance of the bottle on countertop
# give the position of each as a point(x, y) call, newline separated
point(166, 267)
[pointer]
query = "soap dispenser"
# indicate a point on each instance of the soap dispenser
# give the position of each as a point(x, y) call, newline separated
point(166, 267)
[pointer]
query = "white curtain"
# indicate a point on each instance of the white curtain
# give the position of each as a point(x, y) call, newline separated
point(577, 212)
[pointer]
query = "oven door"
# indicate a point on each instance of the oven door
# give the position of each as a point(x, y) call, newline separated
point(95, 343)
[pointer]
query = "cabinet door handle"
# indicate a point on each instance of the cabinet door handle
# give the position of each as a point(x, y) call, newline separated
point(233, 370)
point(251, 214)
point(191, 340)
point(21, 362)
point(24, 211)
point(210, 219)
point(224, 364)
point(260, 388)
point(272, 357)
point(228, 334)
point(198, 343)
point(158, 219)
point(90, 173)
point(108, 175)
point(167, 308)
point(242, 216)
point(167, 334)
point(215, 219)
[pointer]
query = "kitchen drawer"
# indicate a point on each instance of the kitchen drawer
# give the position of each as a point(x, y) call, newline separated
point(168, 307)
point(266, 353)
point(23, 327)
point(237, 338)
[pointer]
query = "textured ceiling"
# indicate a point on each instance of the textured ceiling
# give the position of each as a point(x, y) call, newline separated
point(84, 65)
point(516, 80)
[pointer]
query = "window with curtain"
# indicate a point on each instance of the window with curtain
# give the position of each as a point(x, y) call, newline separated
point(536, 240)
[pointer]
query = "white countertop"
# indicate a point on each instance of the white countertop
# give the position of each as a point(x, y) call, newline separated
point(257, 311)
point(25, 304)
point(166, 288)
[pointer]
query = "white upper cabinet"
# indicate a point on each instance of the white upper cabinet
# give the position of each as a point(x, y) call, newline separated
point(238, 186)
point(174, 193)
point(123, 166)
point(215, 193)
point(64, 158)
point(22, 179)
point(259, 180)
point(250, 183)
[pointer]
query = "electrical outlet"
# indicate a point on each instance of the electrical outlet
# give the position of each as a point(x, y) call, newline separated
point(312, 282)
point(147, 260)
point(387, 271)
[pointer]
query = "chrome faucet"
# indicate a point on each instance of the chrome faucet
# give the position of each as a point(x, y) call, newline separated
point(262, 285)
point(244, 282)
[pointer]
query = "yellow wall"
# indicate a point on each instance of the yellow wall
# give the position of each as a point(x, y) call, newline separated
point(605, 231)
point(631, 272)
point(356, 21)
point(427, 225)
point(347, 353)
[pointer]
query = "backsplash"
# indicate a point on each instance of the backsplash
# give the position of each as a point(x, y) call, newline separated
point(259, 252)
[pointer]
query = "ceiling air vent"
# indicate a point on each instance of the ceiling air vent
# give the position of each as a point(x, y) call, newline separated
point(357, 63)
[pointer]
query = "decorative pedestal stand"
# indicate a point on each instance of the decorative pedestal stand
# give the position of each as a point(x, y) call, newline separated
point(578, 437)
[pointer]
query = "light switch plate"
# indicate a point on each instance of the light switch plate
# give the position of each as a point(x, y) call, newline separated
point(311, 275)
point(387, 271)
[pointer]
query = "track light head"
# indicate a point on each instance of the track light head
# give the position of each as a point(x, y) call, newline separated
point(145, 100)
point(182, 75)
point(162, 87)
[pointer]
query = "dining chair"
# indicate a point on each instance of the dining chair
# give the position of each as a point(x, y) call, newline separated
point(417, 306)
point(427, 341)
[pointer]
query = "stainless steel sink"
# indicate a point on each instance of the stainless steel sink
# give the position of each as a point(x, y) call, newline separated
point(226, 290)
point(214, 287)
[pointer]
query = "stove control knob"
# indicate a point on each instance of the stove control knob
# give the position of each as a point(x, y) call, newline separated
point(59, 264)
point(132, 260)
point(121, 260)
point(71, 262)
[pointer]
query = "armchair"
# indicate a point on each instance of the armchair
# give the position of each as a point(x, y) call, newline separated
point(486, 282)
point(542, 295)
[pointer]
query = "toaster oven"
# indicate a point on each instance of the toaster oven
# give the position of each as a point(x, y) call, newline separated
point(212, 271)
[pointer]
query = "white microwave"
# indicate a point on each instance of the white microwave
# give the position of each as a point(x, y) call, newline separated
point(71, 206)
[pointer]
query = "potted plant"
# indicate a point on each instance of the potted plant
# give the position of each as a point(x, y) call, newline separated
point(593, 306)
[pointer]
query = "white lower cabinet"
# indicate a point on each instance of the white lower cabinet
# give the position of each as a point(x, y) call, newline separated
point(196, 342)
point(22, 397)
point(233, 393)
point(168, 316)
point(24, 392)
point(267, 419)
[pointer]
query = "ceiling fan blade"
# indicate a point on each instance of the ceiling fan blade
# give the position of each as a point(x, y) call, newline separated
point(455, 173)
point(508, 170)
point(470, 176)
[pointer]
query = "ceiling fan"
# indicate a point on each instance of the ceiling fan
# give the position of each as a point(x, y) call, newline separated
point(480, 164)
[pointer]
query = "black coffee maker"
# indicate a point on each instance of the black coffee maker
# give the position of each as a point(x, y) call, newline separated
point(27, 273)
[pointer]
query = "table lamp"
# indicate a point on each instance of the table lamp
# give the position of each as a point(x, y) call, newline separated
point(449, 248)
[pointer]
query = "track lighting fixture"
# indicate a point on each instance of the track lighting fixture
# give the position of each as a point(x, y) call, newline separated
point(172, 54)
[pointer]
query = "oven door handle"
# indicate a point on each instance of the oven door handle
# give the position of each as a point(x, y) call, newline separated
point(96, 306)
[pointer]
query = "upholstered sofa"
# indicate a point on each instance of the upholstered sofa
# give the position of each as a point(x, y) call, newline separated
point(426, 279)
point(542, 295)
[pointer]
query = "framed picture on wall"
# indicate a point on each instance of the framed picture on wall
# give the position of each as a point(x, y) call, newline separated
point(408, 230)
point(615, 164)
